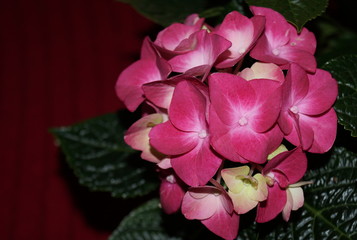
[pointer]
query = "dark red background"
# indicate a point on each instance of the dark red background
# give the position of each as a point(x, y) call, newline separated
point(59, 60)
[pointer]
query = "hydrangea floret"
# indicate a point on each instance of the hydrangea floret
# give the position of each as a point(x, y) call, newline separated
point(219, 103)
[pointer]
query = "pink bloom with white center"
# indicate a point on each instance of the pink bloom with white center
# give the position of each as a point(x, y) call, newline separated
point(307, 117)
point(149, 68)
point(242, 32)
point(185, 136)
point(243, 117)
point(204, 48)
point(213, 207)
point(283, 170)
point(281, 44)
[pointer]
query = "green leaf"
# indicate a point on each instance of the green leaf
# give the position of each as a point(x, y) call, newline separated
point(344, 70)
point(330, 208)
point(297, 12)
point(166, 12)
point(143, 223)
point(96, 151)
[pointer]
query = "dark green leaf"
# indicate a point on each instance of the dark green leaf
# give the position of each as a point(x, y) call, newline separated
point(166, 12)
point(143, 223)
point(344, 69)
point(298, 12)
point(333, 40)
point(223, 9)
point(96, 151)
point(330, 208)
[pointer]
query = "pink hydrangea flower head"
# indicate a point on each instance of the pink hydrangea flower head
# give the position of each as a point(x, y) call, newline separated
point(243, 117)
point(307, 117)
point(137, 136)
point(242, 32)
point(213, 207)
point(245, 190)
point(194, 161)
point(281, 44)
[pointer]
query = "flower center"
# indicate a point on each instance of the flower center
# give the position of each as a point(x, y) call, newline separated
point(243, 121)
point(276, 52)
point(202, 134)
point(170, 179)
point(242, 50)
point(294, 109)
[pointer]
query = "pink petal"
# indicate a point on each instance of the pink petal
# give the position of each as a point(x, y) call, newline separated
point(128, 85)
point(295, 87)
point(173, 35)
point(165, 138)
point(244, 142)
point(286, 122)
point(200, 203)
point(324, 128)
point(237, 26)
point(268, 104)
point(321, 95)
point(288, 206)
point(220, 136)
point(305, 59)
point(137, 137)
point(297, 195)
point(206, 49)
point(193, 19)
point(198, 166)
point(187, 111)
point(231, 97)
point(223, 224)
point(263, 71)
point(276, 26)
point(302, 134)
point(165, 163)
point(240, 143)
point(160, 92)
point(292, 164)
point(263, 51)
point(274, 204)
point(147, 50)
point(305, 40)
point(295, 200)
point(281, 44)
point(171, 194)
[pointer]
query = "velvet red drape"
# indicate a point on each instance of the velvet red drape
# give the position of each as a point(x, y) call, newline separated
point(59, 60)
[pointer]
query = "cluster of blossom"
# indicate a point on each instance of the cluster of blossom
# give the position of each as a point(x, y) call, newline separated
point(206, 111)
